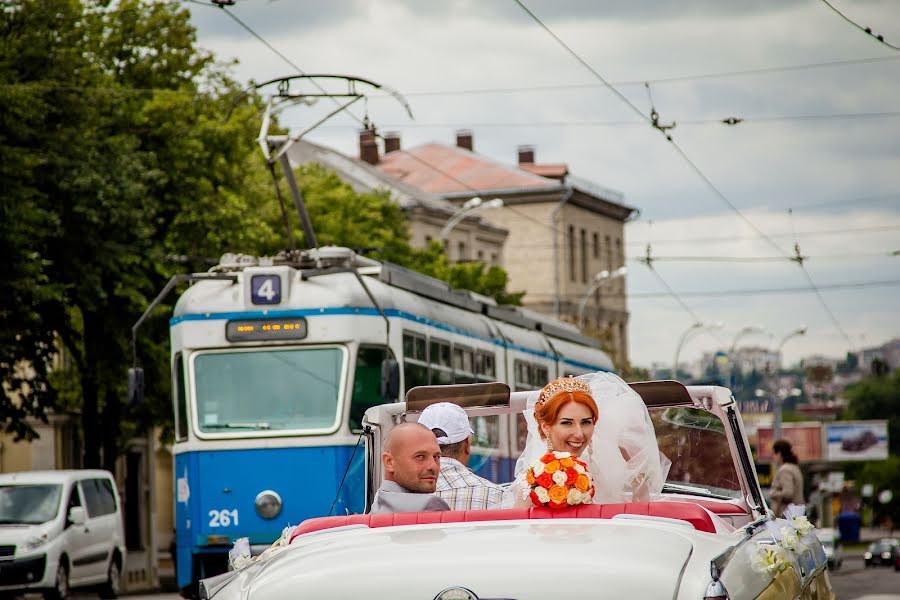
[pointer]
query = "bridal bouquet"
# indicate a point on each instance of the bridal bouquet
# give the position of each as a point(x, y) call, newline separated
point(558, 479)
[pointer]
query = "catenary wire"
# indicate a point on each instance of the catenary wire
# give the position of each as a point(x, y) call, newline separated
point(866, 30)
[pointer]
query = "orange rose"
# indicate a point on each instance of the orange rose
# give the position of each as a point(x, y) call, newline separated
point(567, 462)
point(558, 494)
point(582, 483)
point(548, 457)
point(551, 467)
point(529, 477)
point(545, 480)
point(571, 476)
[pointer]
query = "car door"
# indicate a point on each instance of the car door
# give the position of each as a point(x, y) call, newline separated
point(94, 557)
point(78, 538)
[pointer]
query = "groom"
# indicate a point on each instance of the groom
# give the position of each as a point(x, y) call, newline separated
point(457, 484)
point(411, 461)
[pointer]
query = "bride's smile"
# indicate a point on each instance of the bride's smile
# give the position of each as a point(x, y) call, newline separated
point(572, 430)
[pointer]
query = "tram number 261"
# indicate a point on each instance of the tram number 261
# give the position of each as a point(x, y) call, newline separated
point(223, 518)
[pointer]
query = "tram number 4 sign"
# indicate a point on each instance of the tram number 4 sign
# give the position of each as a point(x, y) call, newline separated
point(265, 289)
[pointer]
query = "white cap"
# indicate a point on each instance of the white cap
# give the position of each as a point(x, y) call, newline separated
point(449, 417)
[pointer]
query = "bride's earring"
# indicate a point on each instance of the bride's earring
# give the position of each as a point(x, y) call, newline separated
point(549, 445)
point(590, 451)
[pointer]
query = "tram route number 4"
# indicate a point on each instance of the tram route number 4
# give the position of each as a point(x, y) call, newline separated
point(265, 289)
point(223, 518)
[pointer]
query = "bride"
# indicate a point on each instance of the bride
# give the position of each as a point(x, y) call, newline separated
point(600, 419)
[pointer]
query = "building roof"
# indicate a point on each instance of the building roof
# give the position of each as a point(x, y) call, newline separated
point(442, 169)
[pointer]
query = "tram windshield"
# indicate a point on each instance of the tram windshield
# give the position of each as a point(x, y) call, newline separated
point(268, 390)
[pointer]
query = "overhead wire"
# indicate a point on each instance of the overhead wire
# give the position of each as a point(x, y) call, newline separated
point(687, 160)
point(866, 30)
point(729, 238)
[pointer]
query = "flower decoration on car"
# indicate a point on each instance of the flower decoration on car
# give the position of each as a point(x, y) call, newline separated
point(239, 556)
point(558, 480)
point(769, 558)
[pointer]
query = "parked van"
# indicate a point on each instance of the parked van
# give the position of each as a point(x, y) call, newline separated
point(60, 530)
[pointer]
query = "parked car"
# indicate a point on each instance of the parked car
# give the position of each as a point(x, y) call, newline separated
point(705, 537)
point(883, 553)
point(831, 542)
point(60, 530)
point(861, 441)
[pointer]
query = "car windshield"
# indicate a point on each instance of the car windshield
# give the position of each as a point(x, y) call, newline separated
point(269, 390)
point(694, 440)
point(29, 504)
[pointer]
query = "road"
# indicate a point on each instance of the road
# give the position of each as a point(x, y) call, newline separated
point(853, 581)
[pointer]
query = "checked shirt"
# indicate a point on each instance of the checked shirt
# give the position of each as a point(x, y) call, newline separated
point(462, 489)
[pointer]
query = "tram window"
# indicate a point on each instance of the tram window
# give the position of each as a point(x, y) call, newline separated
point(181, 419)
point(486, 367)
point(463, 369)
point(487, 431)
point(366, 383)
point(440, 366)
point(415, 360)
point(529, 376)
point(539, 376)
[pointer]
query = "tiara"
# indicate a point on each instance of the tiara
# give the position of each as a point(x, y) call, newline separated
point(563, 384)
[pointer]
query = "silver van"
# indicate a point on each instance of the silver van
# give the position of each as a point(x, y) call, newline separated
point(60, 530)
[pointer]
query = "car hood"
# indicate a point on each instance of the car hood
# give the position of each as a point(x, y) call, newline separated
point(600, 559)
point(14, 534)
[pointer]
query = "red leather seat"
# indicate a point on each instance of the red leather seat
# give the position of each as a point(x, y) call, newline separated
point(685, 511)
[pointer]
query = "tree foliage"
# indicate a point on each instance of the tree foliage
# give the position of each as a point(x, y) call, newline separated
point(878, 397)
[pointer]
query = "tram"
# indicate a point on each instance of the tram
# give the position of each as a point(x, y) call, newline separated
point(275, 361)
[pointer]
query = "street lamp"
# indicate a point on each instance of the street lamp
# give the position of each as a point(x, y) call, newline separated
point(684, 337)
point(745, 331)
point(778, 399)
point(472, 205)
point(598, 280)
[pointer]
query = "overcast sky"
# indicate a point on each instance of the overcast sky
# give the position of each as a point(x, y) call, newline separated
point(841, 176)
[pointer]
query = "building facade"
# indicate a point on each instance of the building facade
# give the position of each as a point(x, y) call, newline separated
point(563, 230)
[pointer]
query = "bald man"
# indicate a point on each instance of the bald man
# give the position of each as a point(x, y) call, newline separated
point(411, 461)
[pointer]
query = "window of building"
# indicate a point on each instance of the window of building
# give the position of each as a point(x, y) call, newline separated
point(595, 240)
point(609, 255)
point(584, 257)
point(620, 260)
point(493, 258)
point(481, 255)
point(463, 255)
point(427, 240)
point(571, 253)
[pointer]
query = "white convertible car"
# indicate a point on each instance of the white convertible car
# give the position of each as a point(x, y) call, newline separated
point(708, 536)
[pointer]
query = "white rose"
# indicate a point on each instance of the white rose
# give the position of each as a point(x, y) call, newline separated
point(538, 468)
point(574, 497)
point(562, 454)
point(803, 525)
point(579, 468)
point(559, 478)
point(789, 538)
point(542, 494)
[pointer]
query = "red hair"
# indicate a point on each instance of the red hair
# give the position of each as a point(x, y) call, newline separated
point(548, 410)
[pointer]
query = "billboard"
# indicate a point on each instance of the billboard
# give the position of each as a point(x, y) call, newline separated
point(805, 439)
point(856, 440)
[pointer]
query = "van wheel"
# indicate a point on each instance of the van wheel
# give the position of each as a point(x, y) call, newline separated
point(113, 584)
point(60, 589)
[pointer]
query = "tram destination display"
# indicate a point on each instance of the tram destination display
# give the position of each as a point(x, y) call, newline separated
point(251, 330)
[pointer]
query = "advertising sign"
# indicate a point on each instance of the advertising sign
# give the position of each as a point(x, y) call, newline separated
point(856, 440)
point(805, 439)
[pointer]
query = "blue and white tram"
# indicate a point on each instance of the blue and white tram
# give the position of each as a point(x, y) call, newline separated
point(274, 367)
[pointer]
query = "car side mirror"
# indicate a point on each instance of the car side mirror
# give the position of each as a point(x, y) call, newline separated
point(390, 380)
point(76, 515)
point(135, 385)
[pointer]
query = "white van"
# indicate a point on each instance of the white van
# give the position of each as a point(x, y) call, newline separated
point(60, 530)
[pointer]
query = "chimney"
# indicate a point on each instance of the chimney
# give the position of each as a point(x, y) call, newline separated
point(391, 141)
point(464, 139)
point(368, 147)
point(526, 155)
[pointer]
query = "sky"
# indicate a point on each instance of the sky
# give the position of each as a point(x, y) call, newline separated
point(815, 163)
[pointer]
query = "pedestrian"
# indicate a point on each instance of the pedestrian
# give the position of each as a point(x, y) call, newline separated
point(787, 483)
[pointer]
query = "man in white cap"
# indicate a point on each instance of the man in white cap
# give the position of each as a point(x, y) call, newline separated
point(457, 484)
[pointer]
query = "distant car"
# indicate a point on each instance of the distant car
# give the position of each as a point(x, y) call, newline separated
point(883, 553)
point(831, 542)
point(60, 530)
point(859, 442)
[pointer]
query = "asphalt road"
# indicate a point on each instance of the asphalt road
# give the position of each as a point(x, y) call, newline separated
point(853, 581)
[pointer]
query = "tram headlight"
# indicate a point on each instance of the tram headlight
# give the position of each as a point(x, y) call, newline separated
point(268, 504)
